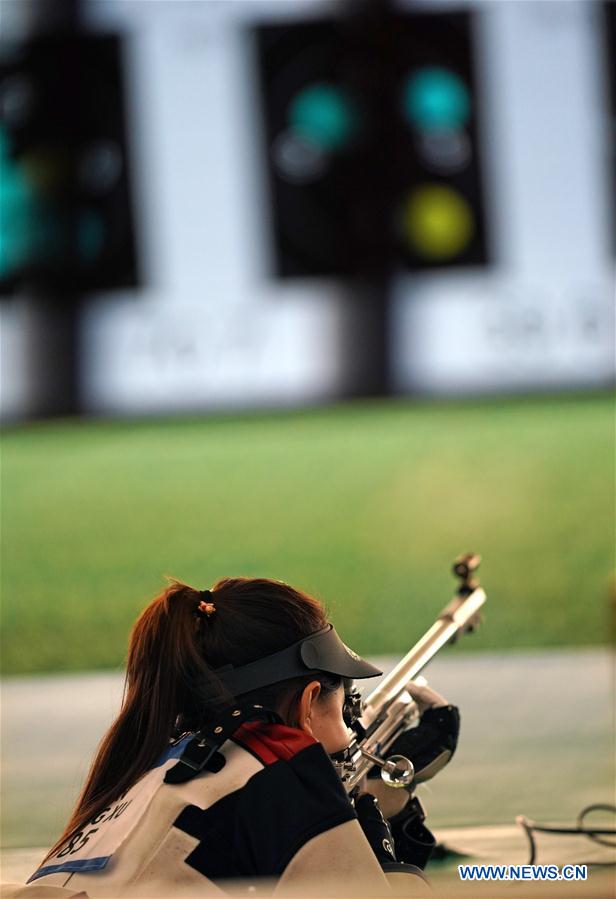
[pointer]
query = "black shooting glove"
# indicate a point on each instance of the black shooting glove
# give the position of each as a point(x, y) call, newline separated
point(375, 827)
point(430, 744)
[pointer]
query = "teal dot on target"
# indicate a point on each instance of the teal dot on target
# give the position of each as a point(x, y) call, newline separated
point(435, 97)
point(323, 114)
point(18, 212)
point(90, 236)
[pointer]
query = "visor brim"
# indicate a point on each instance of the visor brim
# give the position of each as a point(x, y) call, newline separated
point(322, 651)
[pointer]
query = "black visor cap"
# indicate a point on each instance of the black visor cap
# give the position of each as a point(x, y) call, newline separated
point(321, 651)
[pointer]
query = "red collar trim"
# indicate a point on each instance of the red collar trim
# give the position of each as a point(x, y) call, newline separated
point(272, 742)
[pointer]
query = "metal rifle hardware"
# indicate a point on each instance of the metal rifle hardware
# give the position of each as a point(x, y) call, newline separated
point(397, 771)
point(390, 709)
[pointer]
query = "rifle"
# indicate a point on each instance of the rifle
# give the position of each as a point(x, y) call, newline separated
point(389, 710)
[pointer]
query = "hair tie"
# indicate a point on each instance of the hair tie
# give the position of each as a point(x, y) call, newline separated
point(206, 607)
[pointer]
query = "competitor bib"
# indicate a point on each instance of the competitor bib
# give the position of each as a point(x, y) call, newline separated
point(94, 845)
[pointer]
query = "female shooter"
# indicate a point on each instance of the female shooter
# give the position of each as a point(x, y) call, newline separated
point(217, 767)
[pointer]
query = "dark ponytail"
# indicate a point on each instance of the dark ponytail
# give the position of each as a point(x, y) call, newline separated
point(170, 681)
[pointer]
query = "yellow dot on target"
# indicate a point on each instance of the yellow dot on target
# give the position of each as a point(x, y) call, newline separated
point(438, 222)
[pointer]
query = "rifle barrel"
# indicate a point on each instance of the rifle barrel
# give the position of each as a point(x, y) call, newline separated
point(452, 619)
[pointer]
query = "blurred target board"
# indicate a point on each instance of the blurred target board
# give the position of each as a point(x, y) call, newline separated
point(65, 211)
point(362, 114)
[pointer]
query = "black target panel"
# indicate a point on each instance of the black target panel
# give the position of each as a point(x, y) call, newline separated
point(66, 207)
point(372, 143)
point(439, 208)
point(315, 143)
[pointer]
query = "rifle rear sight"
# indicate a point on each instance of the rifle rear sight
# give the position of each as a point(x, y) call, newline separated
point(464, 566)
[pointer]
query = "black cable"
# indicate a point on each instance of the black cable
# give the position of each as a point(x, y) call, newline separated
point(596, 834)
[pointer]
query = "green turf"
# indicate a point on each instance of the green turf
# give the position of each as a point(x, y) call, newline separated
point(364, 505)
